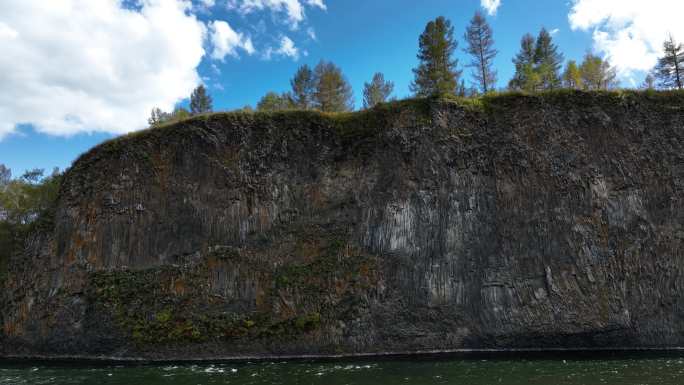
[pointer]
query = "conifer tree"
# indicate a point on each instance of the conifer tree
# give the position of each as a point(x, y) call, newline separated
point(200, 101)
point(548, 61)
point(572, 77)
point(437, 73)
point(377, 91)
point(333, 92)
point(670, 68)
point(480, 41)
point(525, 77)
point(303, 88)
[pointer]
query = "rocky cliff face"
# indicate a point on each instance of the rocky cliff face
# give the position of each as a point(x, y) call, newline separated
point(512, 222)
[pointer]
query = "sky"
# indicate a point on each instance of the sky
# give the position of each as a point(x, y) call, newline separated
point(74, 73)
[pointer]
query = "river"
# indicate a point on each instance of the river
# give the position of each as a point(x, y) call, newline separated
point(620, 369)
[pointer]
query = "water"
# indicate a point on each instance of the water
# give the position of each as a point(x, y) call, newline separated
point(561, 371)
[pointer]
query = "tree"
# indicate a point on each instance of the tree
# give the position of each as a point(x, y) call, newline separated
point(24, 202)
point(333, 92)
point(178, 114)
point(572, 77)
point(303, 88)
point(24, 199)
point(5, 176)
point(525, 77)
point(157, 117)
point(649, 82)
point(377, 91)
point(670, 67)
point(274, 102)
point(437, 73)
point(597, 73)
point(481, 47)
point(200, 101)
point(548, 61)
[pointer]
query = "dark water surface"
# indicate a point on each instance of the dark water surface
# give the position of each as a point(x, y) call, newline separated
point(620, 369)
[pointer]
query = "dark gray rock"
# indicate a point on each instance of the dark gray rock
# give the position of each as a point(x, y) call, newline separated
point(552, 221)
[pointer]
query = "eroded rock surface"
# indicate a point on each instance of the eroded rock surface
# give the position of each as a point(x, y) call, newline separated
point(526, 221)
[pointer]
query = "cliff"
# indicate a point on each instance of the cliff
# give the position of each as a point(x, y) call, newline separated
point(548, 221)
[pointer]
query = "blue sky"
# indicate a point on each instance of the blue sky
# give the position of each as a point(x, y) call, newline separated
point(248, 58)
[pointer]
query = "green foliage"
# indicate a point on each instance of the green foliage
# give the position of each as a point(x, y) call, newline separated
point(437, 73)
point(159, 117)
point(200, 101)
point(670, 68)
point(537, 65)
point(377, 91)
point(572, 77)
point(333, 91)
point(480, 41)
point(142, 307)
point(303, 88)
point(525, 77)
point(274, 102)
point(27, 204)
point(597, 74)
point(548, 61)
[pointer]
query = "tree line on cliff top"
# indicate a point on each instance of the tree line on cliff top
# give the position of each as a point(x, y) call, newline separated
point(538, 67)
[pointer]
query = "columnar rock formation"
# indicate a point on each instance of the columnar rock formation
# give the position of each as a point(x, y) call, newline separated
point(511, 222)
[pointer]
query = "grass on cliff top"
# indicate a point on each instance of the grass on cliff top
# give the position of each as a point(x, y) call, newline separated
point(357, 124)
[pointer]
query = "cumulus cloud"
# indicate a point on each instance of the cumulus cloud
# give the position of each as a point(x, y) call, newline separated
point(74, 66)
point(225, 41)
point(294, 9)
point(630, 33)
point(491, 6)
point(287, 48)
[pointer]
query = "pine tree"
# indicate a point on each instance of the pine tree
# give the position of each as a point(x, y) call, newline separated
point(200, 101)
point(525, 78)
point(333, 92)
point(481, 47)
point(670, 67)
point(437, 73)
point(377, 91)
point(572, 77)
point(303, 88)
point(274, 102)
point(597, 73)
point(548, 61)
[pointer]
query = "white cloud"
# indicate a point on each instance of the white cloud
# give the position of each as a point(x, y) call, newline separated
point(225, 41)
point(75, 66)
point(294, 9)
point(630, 33)
point(554, 31)
point(287, 48)
point(311, 33)
point(7, 33)
point(317, 3)
point(491, 6)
